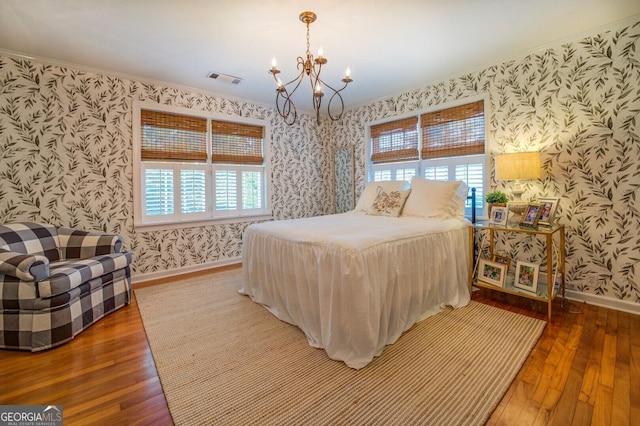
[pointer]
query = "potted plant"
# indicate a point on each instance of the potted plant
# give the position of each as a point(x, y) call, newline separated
point(496, 198)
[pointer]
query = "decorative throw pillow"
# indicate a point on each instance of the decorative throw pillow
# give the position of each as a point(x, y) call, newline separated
point(371, 191)
point(388, 203)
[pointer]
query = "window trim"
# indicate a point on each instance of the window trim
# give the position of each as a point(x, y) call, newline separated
point(137, 107)
point(370, 166)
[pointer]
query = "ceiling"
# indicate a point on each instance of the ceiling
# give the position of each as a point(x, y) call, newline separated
point(390, 46)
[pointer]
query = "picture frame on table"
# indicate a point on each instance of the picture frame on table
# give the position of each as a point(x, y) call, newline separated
point(531, 216)
point(502, 259)
point(491, 272)
point(527, 276)
point(498, 215)
point(548, 208)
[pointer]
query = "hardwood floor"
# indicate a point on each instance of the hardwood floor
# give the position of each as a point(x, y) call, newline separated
point(106, 375)
point(584, 370)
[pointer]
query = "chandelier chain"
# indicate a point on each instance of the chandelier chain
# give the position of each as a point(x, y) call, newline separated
point(308, 41)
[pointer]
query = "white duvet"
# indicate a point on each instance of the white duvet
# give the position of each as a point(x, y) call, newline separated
point(355, 282)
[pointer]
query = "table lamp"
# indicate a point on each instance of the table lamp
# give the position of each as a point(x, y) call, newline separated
point(518, 166)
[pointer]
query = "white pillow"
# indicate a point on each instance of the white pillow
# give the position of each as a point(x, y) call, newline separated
point(371, 190)
point(435, 199)
point(459, 200)
point(388, 203)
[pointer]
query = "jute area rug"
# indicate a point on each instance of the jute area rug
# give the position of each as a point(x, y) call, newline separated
point(223, 359)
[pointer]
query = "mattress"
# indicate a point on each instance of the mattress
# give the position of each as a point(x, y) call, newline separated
point(352, 282)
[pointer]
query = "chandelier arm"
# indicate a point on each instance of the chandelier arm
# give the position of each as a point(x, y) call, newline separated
point(341, 106)
point(317, 99)
point(315, 79)
point(300, 64)
point(288, 91)
point(298, 78)
point(287, 110)
point(331, 99)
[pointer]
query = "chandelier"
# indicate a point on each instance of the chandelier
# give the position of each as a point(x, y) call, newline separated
point(310, 67)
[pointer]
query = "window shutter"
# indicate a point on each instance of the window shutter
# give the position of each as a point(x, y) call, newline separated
point(226, 189)
point(193, 183)
point(236, 143)
point(251, 190)
point(395, 141)
point(173, 137)
point(453, 131)
point(158, 192)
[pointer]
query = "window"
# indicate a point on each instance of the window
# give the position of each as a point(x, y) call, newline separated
point(238, 168)
point(195, 168)
point(395, 141)
point(453, 146)
point(394, 149)
point(448, 144)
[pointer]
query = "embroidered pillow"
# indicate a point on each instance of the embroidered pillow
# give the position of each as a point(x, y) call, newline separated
point(371, 190)
point(388, 203)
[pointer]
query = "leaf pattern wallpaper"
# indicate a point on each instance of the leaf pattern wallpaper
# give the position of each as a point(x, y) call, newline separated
point(66, 158)
point(579, 104)
point(66, 153)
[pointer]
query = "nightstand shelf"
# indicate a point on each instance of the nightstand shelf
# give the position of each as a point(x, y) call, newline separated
point(541, 293)
point(546, 290)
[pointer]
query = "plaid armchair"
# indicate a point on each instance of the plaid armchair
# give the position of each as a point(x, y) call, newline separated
point(56, 281)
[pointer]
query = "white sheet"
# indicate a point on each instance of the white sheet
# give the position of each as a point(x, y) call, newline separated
point(354, 282)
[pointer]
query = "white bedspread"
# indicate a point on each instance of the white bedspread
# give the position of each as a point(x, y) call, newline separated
point(354, 282)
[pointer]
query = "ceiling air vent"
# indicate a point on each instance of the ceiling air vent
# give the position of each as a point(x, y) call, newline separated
point(224, 77)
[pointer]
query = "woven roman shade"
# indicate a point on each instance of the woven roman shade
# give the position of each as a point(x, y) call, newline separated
point(173, 137)
point(236, 143)
point(453, 131)
point(395, 141)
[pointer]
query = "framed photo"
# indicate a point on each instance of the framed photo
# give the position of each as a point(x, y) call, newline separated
point(498, 215)
point(527, 276)
point(504, 260)
point(531, 216)
point(548, 208)
point(491, 272)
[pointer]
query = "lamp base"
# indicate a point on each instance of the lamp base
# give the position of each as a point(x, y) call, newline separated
point(517, 208)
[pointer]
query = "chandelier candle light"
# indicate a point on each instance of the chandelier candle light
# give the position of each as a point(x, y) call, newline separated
point(311, 67)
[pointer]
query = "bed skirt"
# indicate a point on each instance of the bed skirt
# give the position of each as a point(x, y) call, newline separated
point(353, 301)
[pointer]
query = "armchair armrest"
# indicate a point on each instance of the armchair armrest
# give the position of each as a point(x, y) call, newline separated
point(26, 267)
point(78, 244)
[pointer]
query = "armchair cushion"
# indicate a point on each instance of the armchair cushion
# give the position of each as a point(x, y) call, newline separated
point(68, 274)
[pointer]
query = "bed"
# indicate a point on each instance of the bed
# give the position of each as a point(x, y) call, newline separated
point(354, 282)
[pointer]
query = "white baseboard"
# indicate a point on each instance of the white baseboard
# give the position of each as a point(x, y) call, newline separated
point(140, 278)
point(607, 302)
point(594, 299)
